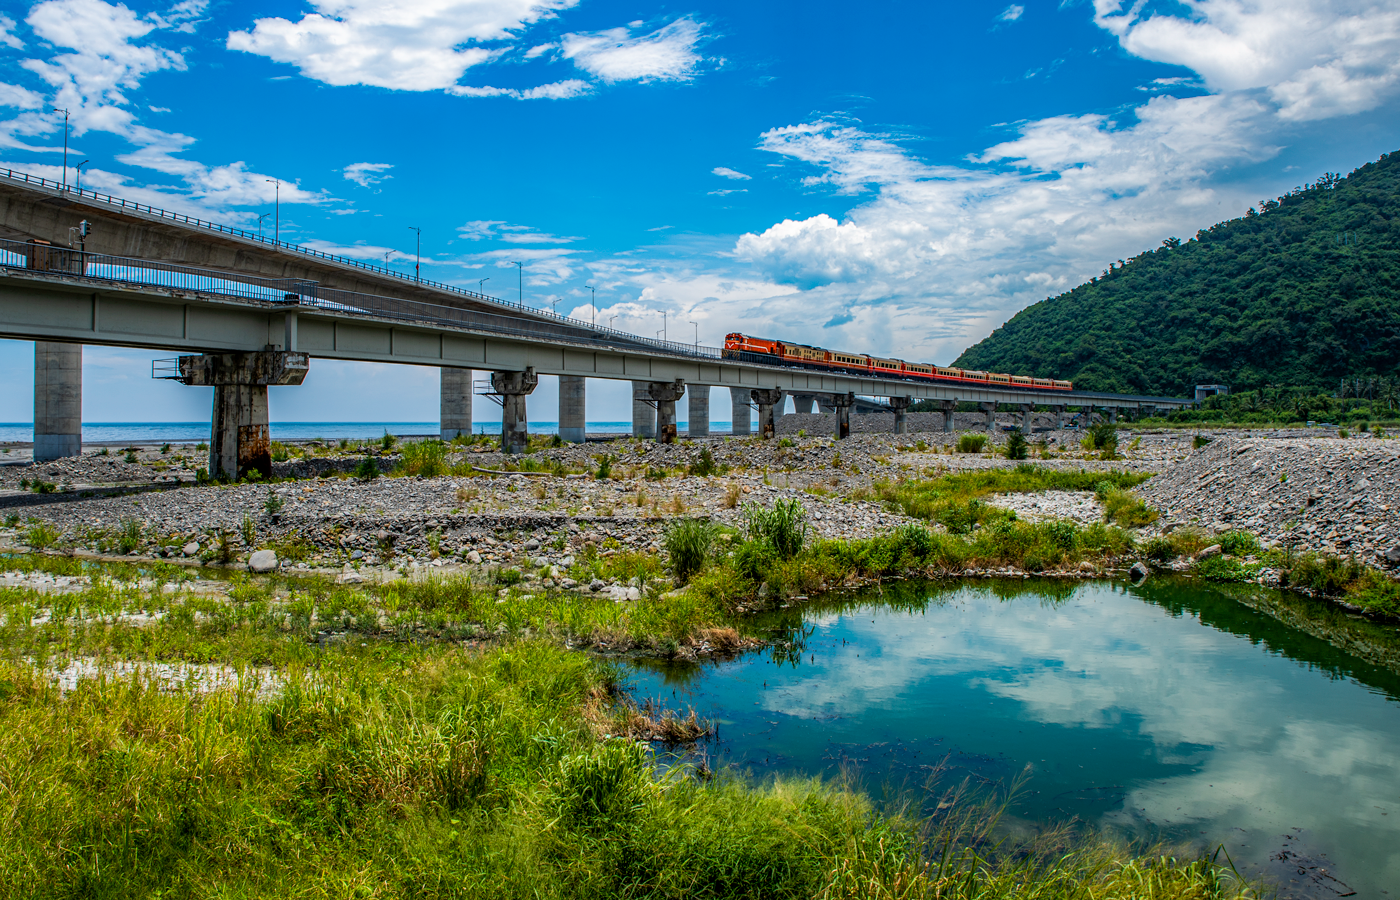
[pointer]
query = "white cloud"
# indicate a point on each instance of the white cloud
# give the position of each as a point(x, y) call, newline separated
point(726, 172)
point(1315, 58)
point(366, 173)
point(495, 230)
point(421, 46)
point(539, 50)
point(7, 35)
point(727, 192)
point(20, 98)
point(1011, 13)
point(667, 54)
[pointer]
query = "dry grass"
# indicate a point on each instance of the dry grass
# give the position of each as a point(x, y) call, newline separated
point(732, 494)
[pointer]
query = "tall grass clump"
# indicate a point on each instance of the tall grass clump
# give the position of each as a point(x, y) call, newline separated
point(783, 527)
point(688, 542)
point(427, 459)
point(41, 536)
point(972, 443)
point(1102, 438)
point(1122, 507)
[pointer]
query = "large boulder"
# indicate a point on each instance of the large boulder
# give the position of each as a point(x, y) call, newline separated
point(262, 561)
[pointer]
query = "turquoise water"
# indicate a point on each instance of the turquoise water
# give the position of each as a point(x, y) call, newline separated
point(1168, 711)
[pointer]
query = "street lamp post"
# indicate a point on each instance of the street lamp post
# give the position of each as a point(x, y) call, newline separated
point(480, 283)
point(417, 252)
point(260, 221)
point(276, 209)
point(697, 336)
point(611, 319)
point(593, 306)
point(554, 305)
point(520, 272)
point(65, 145)
point(79, 167)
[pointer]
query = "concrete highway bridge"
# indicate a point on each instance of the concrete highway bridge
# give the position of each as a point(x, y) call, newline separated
point(248, 312)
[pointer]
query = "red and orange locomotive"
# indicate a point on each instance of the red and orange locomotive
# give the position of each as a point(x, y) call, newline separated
point(785, 353)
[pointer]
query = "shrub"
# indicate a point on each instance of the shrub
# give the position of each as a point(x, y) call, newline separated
point(273, 504)
point(732, 493)
point(1123, 508)
point(387, 441)
point(914, 540)
point(1239, 543)
point(604, 467)
point(1016, 447)
point(972, 443)
point(704, 464)
point(688, 543)
point(784, 527)
point(1061, 534)
point(424, 458)
point(1159, 550)
point(1224, 569)
point(129, 536)
point(509, 576)
point(368, 469)
point(41, 536)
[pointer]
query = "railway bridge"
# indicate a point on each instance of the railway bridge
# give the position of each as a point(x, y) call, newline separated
point(246, 312)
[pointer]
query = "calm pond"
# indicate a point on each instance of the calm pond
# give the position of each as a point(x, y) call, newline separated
point(1173, 710)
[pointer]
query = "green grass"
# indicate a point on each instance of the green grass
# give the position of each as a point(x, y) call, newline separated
point(427, 459)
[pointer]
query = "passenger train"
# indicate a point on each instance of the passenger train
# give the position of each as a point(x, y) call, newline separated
point(801, 356)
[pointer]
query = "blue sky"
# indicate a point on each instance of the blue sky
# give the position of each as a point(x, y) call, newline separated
point(891, 177)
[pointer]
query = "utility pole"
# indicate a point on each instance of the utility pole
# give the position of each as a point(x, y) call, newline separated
point(554, 305)
point(418, 252)
point(260, 221)
point(480, 284)
point(697, 339)
point(79, 167)
point(663, 324)
point(65, 145)
point(276, 209)
point(520, 272)
point(611, 319)
point(593, 306)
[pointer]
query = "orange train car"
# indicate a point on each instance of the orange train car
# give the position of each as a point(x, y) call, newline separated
point(803, 356)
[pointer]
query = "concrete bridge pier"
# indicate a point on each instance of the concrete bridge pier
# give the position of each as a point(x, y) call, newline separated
point(58, 400)
point(1027, 417)
point(514, 387)
point(1059, 412)
point(572, 397)
point(1086, 416)
point(665, 394)
point(240, 442)
point(825, 403)
point(991, 411)
point(699, 411)
point(768, 399)
point(901, 405)
point(455, 413)
point(1113, 414)
point(949, 408)
point(803, 403)
point(741, 413)
point(643, 412)
point(843, 404)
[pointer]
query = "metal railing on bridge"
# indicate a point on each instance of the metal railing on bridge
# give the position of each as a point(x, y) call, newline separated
point(299, 293)
point(122, 204)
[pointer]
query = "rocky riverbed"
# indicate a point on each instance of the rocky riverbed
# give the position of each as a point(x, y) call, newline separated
point(1327, 494)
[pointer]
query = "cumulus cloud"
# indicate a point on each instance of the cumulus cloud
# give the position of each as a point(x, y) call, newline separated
point(726, 172)
point(7, 34)
point(366, 173)
point(1315, 58)
point(20, 98)
point(420, 46)
point(1011, 13)
point(667, 54)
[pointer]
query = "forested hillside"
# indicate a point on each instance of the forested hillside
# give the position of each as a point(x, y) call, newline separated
point(1301, 292)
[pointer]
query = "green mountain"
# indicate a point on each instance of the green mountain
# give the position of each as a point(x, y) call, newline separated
point(1301, 293)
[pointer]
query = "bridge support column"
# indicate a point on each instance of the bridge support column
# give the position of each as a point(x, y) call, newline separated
point(698, 422)
point(991, 410)
point(949, 408)
point(455, 414)
point(665, 394)
point(1146, 412)
point(1086, 416)
point(241, 437)
point(1113, 414)
point(768, 399)
point(900, 405)
point(741, 413)
point(643, 413)
point(803, 403)
point(1059, 412)
point(514, 387)
point(1027, 417)
point(572, 402)
point(58, 400)
point(843, 404)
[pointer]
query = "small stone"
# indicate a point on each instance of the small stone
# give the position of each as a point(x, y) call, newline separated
point(474, 558)
point(596, 585)
point(1212, 550)
point(569, 584)
point(1138, 571)
point(383, 536)
point(262, 561)
point(357, 554)
point(532, 544)
point(763, 590)
point(1392, 555)
point(190, 549)
point(351, 578)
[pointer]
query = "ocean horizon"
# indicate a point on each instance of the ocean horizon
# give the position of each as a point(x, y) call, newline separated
point(193, 432)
